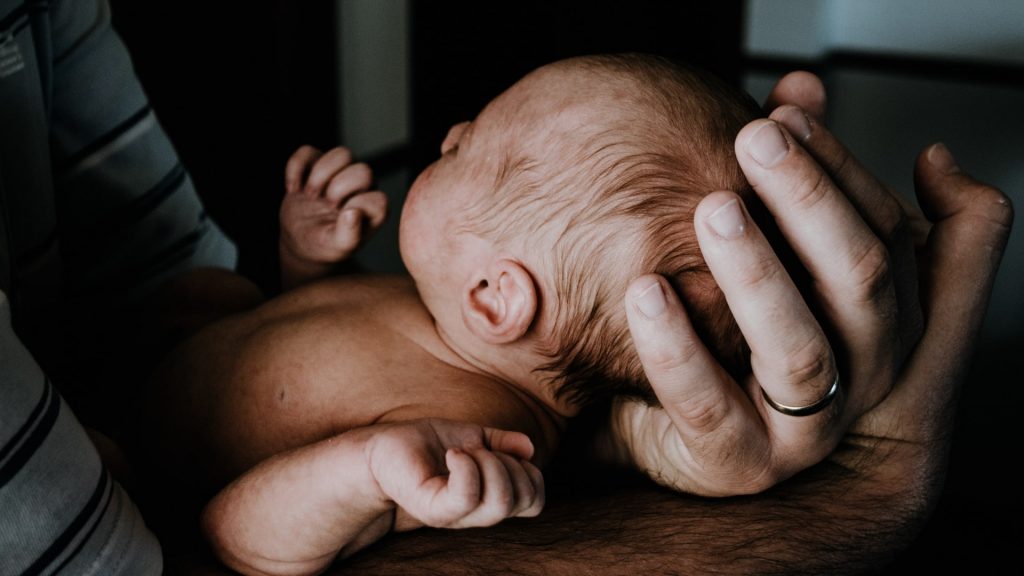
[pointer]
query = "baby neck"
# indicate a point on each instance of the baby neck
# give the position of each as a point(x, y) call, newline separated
point(514, 365)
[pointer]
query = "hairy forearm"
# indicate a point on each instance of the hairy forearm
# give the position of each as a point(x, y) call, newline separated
point(829, 520)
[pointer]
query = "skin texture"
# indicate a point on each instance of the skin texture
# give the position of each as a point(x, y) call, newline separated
point(329, 210)
point(889, 427)
point(870, 497)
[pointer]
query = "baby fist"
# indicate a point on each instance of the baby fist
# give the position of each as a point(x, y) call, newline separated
point(449, 474)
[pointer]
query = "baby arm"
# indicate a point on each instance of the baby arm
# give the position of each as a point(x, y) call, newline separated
point(328, 211)
point(296, 512)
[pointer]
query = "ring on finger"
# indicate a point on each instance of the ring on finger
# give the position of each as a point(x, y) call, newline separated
point(812, 408)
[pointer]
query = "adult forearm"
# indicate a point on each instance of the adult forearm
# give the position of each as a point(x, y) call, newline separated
point(829, 520)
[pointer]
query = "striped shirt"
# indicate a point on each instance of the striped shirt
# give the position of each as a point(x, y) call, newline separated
point(95, 211)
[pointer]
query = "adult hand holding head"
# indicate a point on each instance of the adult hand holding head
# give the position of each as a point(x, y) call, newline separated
point(849, 514)
point(853, 238)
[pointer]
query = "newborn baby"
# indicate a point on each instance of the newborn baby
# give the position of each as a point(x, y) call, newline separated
point(357, 405)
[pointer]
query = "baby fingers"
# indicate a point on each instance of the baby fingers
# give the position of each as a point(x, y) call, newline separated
point(373, 207)
point(528, 484)
point(351, 179)
point(360, 218)
point(298, 166)
point(514, 443)
point(497, 500)
point(327, 166)
point(464, 489)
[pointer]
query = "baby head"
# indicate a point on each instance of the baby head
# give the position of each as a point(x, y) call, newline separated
point(585, 174)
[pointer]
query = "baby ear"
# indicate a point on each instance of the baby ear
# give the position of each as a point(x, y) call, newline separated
point(454, 135)
point(499, 305)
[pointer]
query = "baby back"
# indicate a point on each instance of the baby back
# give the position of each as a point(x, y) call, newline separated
point(303, 367)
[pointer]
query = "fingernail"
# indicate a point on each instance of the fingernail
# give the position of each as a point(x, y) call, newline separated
point(768, 146)
point(795, 120)
point(651, 302)
point(728, 221)
point(940, 157)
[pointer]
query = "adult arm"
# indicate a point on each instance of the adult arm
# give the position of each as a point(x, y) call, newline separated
point(99, 212)
point(62, 510)
point(129, 218)
point(846, 515)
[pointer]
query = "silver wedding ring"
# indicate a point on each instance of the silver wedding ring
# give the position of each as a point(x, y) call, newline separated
point(814, 408)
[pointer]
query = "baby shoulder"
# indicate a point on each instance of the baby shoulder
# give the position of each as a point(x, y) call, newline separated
point(490, 403)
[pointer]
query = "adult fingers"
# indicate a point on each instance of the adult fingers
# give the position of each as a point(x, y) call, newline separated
point(791, 358)
point(297, 166)
point(877, 205)
point(892, 220)
point(848, 264)
point(972, 224)
point(720, 433)
point(802, 89)
point(798, 102)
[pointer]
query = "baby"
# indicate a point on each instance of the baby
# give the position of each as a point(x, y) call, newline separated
point(358, 405)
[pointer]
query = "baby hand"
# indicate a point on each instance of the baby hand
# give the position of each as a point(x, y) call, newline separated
point(449, 474)
point(328, 209)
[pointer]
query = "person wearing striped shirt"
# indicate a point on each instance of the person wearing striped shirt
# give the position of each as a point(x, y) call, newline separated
point(96, 211)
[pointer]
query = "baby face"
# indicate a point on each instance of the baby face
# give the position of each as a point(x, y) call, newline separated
point(429, 237)
point(440, 192)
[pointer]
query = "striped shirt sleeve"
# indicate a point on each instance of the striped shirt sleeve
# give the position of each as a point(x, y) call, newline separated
point(127, 217)
point(128, 214)
point(61, 511)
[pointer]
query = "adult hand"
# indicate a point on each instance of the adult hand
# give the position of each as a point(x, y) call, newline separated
point(853, 237)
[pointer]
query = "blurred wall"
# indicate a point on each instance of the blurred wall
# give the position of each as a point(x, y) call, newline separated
point(902, 75)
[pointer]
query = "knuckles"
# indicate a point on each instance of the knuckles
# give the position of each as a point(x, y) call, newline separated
point(760, 271)
point(812, 363)
point(706, 411)
point(870, 274)
point(994, 206)
point(894, 222)
point(809, 193)
point(670, 360)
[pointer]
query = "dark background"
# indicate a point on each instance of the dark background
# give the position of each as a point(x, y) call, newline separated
point(238, 89)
